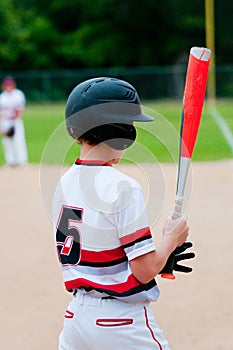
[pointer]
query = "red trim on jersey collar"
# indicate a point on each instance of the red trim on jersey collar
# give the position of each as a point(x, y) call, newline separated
point(79, 161)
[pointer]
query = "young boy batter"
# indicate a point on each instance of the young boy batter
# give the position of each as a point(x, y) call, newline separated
point(104, 243)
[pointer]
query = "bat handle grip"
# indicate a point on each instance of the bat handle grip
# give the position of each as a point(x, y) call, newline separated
point(177, 213)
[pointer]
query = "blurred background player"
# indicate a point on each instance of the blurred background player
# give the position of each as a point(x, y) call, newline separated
point(12, 104)
point(103, 239)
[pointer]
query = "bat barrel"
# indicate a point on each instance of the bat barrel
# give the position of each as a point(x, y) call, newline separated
point(194, 94)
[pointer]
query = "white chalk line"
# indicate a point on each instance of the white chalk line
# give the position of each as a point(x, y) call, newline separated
point(223, 126)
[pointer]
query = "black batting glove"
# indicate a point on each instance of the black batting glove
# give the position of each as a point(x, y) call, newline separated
point(174, 258)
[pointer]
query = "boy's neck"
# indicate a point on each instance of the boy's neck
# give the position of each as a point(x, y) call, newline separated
point(100, 152)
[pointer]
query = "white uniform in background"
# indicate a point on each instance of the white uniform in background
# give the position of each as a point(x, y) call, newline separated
point(11, 105)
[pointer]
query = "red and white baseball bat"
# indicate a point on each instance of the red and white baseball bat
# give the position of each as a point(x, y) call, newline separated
point(193, 101)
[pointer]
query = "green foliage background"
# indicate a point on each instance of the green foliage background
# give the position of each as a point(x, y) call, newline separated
point(39, 34)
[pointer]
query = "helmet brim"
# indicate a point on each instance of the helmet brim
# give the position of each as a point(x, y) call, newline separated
point(143, 118)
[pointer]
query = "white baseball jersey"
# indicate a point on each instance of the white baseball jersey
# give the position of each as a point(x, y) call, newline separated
point(100, 224)
point(10, 102)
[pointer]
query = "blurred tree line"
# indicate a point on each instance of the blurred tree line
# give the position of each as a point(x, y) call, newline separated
point(42, 34)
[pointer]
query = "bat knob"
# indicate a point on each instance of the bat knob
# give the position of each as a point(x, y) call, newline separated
point(169, 276)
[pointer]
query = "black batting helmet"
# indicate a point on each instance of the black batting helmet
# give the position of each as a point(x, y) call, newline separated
point(104, 109)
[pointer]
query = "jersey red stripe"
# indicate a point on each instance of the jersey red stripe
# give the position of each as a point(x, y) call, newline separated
point(102, 256)
point(132, 237)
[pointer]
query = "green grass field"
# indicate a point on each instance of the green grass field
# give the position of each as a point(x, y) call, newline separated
point(156, 141)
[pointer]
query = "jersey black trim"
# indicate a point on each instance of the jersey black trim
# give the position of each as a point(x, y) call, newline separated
point(79, 161)
point(144, 238)
point(132, 291)
point(103, 264)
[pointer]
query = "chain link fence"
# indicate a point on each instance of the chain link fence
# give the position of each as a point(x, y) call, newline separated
point(152, 82)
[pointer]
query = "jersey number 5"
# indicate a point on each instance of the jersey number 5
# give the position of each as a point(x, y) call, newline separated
point(68, 235)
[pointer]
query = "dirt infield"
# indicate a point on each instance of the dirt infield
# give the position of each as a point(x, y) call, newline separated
point(195, 311)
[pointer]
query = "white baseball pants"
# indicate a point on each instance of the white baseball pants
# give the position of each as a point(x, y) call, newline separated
point(96, 324)
point(15, 149)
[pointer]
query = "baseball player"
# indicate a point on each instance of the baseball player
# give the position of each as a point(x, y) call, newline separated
point(12, 104)
point(108, 258)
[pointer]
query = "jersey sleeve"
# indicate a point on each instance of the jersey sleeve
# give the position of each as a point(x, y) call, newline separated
point(131, 219)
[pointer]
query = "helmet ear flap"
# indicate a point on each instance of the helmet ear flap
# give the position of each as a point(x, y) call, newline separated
point(116, 135)
point(122, 136)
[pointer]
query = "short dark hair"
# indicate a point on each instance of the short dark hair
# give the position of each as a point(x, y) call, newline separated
point(88, 140)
